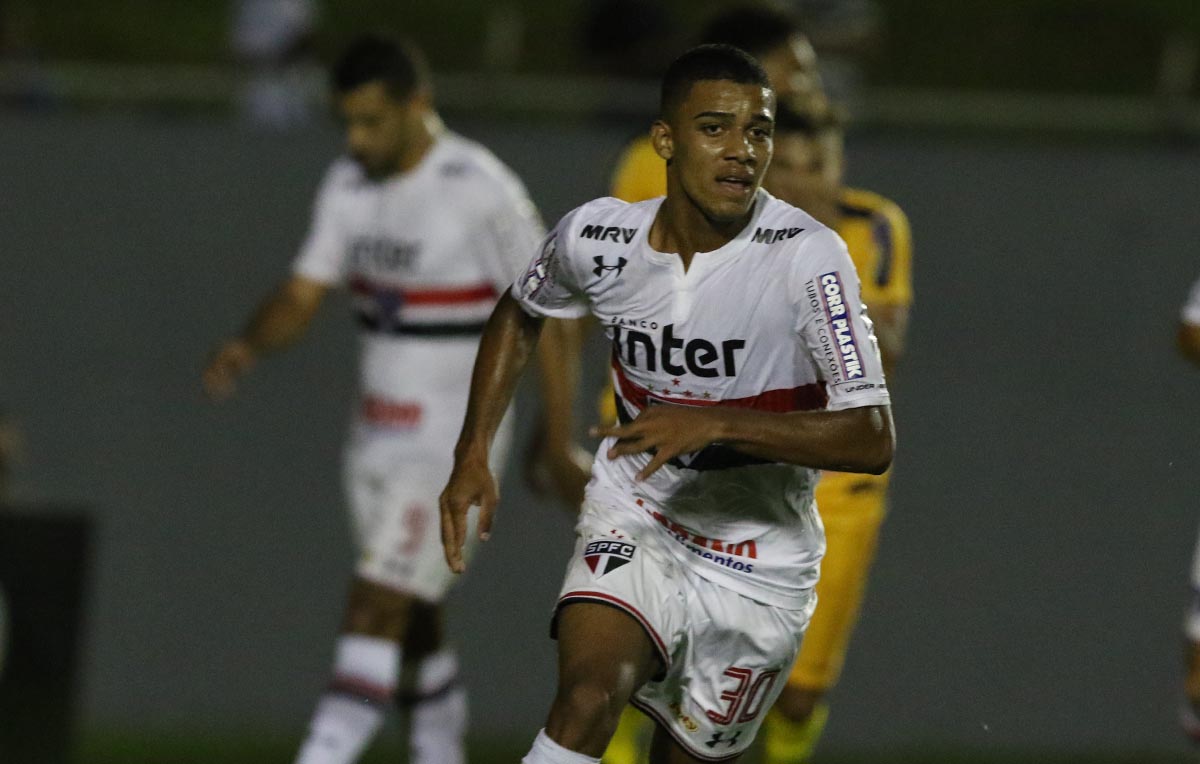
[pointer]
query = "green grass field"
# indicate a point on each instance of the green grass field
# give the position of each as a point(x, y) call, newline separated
point(132, 749)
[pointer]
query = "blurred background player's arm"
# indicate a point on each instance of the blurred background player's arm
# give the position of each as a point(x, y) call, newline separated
point(1188, 335)
point(889, 295)
point(280, 320)
point(555, 461)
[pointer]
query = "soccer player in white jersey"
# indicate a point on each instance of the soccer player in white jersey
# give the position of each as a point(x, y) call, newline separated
point(743, 362)
point(1188, 341)
point(426, 229)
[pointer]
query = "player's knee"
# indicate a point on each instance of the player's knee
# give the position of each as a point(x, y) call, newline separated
point(588, 709)
point(377, 611)
point(798, 703)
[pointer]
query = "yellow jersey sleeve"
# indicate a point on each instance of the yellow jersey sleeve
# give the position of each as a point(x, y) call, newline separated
point(880, 243)
point(641, 174)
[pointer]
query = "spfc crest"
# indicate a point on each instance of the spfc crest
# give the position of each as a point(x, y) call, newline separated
point(606, 556)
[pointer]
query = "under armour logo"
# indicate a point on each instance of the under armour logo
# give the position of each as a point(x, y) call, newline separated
point(716, 738)
point(601, 267)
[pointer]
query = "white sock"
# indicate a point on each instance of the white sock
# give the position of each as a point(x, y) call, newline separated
point(351, 711)
point(439, 713)
point(546, 751)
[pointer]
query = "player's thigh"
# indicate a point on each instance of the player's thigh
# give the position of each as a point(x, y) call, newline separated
point(737, 656)
point(852, 524)
point(630, 585)
point(606, 647)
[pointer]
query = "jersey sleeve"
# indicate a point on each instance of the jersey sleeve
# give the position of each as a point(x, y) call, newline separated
point(510, 231)
point(322, 257)
point(1191, 309)
point(641, 173)
point(832, 323)
point(549, 285)
point(892, 279)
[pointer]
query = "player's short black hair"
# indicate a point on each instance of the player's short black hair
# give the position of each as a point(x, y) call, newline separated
point(708, 62)
point(756, 29)
point(396, 63)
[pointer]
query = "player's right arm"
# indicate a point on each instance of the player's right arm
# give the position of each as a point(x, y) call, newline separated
point(509, 340)
point(282, 317)
point(547, 289)
point(280, 320)
point(1188, 339)
point(1187, 336)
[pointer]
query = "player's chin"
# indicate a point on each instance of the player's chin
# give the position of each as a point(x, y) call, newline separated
point(725, 210)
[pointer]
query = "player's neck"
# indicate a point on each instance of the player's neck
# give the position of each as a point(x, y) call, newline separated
point(424, 136)
point(682, 228)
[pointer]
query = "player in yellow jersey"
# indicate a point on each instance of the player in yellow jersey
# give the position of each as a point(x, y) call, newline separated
point(807, 171)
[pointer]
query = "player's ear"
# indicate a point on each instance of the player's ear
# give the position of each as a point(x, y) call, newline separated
point(660, 138)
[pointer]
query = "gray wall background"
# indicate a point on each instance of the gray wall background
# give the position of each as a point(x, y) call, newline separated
point(1034, 567)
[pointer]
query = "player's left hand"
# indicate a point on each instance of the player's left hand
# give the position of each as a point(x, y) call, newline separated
point(665, 431)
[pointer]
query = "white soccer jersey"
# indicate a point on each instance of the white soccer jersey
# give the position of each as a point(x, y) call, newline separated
point(770, 321)
point(425, 255)
point(1191, 309)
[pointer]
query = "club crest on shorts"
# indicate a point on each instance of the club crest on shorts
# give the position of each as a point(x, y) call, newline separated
point(605, 556)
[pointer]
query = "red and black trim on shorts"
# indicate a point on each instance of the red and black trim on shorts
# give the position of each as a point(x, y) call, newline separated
point(604, 598)
point(683, 743)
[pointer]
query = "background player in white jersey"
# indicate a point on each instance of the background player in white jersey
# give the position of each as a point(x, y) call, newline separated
point(743, 362)
point(426, 229)
point(1188, 341)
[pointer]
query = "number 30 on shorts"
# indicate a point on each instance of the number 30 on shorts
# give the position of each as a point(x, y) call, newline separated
point(745, 702)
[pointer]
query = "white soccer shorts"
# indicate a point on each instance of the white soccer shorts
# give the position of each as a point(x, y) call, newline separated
point(393, 495)
point(727, 656)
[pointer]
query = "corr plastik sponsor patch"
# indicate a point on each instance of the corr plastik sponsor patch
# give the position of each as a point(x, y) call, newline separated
point(838, 314)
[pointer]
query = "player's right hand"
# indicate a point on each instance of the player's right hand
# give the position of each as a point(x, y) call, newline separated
point(229, 362)
point(471, 484)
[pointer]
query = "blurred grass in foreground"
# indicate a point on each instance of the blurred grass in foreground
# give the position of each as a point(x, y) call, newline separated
point(106, 748)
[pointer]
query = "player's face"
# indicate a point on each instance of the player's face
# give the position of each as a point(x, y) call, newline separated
point(377, 126)
point(718, 142)
point(806, 170)
point(792, 69)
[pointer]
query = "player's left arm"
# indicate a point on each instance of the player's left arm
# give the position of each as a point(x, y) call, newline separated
point(852, 440)
point(854, 434)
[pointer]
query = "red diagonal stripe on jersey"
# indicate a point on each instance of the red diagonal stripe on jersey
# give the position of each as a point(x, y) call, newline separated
point(456, 295)
point(803, 398)
point(450, 295)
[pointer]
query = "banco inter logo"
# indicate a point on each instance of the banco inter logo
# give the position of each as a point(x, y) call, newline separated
point(606, 556)
point(701, 357)
point(603, 268)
